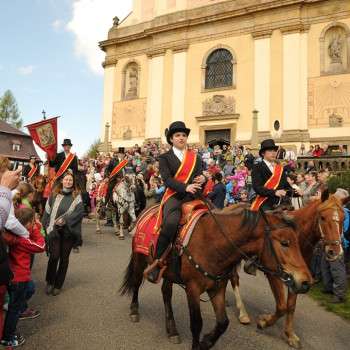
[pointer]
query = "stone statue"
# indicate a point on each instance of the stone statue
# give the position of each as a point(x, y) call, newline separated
point(218, 105)
point(115, 21)
point(132, 80)
point(335, 49)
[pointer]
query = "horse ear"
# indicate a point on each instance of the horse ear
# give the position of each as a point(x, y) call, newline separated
point(324, 195)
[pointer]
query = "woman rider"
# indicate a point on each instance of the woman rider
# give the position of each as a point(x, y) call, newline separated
point(181, 171)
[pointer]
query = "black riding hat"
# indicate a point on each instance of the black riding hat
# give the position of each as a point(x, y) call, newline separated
point(174, 127)
point(266, 145)
point(67, 142)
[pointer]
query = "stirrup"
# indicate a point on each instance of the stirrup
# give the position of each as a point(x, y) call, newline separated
point(154, 272)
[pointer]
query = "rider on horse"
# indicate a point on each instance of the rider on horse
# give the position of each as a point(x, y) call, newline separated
point(31, 170)
point(181, 171)
point(269, 179)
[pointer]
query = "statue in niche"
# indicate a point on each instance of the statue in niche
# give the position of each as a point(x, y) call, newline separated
point(127, 134)
point(132, 80)
point(219, 105)
point(335, 49)
point(335, 120)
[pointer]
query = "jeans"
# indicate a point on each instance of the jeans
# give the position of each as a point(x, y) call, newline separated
point(30, 291)
point(17, 293)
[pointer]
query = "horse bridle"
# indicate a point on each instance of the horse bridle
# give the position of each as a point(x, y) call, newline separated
point(279, 273)
point(326, 242)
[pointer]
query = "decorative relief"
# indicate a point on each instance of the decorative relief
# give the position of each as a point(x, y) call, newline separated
point(329, 101)
point(128, 119)
point(219, 105)
point(335, 49)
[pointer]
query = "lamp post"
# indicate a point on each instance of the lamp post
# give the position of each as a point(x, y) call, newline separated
point(44, 114)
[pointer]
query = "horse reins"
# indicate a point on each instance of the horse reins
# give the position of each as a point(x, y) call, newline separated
point(280, 273)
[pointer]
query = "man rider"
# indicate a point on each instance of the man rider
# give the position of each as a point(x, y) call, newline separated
point(181, 171)
point(269, 180)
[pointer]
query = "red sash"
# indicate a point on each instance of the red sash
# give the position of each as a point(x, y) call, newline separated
point(67, 162)
point(119, 167)
point(32, 172)
point(183, 174)
point(271, 184)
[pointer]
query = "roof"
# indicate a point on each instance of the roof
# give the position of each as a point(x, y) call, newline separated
point(9, 129)
point(10, 136)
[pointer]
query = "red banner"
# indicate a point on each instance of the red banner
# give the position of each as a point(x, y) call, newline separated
point(44, 134)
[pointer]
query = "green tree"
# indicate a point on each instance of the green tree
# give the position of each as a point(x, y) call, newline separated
point(93, 152)
point(9, 112)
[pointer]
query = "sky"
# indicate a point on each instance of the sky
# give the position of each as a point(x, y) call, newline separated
point(50, 60)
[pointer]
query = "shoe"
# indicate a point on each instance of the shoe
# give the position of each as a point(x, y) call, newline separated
point(121, 237)
point(337, 300)
point(154, 272)
point(56, 292)
point(48, 289)
point(29, 314)
point(76, 250)
point(14, 343)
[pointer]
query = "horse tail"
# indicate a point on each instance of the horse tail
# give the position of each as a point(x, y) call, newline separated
point(133, 276)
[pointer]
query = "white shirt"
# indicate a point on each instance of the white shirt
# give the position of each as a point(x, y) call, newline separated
point(269, 165)
point(179, 153)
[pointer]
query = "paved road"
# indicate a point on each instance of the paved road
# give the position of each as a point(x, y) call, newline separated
point(89, 314)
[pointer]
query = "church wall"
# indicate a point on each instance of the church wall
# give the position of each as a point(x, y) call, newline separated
point(242, 47)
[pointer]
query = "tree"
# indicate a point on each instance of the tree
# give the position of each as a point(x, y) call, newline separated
point(9, 112)
point(93, 152)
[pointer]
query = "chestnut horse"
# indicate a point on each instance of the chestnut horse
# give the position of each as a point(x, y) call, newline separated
point(208, 260)
point(320, 220)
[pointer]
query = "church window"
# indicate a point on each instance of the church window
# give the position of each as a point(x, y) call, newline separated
point(219, 69)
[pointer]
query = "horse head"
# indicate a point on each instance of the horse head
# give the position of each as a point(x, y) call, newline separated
point(281, 251)
point(330, 217)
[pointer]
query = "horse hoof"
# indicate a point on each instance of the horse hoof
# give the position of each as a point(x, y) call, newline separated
point(135, 318)
point(261, 324)
point(244, 319)
point(175, 339)
point(294, 342)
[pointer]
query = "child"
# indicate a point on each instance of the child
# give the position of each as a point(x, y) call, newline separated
point(217, 196)
point(20, 250)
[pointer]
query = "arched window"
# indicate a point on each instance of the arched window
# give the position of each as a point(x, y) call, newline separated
point(219, 69)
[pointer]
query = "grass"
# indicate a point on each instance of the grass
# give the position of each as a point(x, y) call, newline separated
point(342, 310)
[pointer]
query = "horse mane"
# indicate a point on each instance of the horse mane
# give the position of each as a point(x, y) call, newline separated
point(330, 203)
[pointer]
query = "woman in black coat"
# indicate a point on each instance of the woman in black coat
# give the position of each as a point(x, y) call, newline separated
point(62, 220)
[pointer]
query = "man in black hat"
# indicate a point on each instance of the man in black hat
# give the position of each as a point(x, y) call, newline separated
point(31, 169)
point(61, 157)
point(169, 164)
point(268, 178)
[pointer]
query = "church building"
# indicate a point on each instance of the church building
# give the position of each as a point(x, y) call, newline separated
point(215, 64)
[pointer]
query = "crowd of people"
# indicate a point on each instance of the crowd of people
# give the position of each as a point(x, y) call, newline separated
point(83, 190)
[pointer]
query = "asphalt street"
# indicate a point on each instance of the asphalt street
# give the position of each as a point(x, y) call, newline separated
point(89, 314)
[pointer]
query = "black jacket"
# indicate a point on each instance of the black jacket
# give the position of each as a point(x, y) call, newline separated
point(26, 170)
point(217, 196)
point(112, 164)
point(168, 166)
point(60, 158)
point(260, 174)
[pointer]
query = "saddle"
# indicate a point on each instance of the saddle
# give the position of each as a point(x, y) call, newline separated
point(188, 208)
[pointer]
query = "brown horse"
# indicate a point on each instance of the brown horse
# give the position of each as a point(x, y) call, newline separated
point(39, 183)
point(207, 267)
point(319, 220)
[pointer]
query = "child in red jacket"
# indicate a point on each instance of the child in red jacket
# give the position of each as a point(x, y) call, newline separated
point(20, 250)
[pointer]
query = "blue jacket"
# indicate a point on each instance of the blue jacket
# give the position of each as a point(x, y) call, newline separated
point(346, 227)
